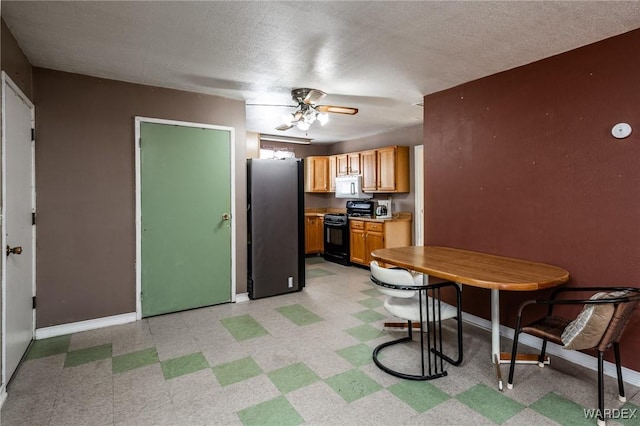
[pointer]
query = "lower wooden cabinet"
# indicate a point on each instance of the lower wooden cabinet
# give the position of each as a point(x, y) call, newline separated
point(367, 236)
point(313, 233)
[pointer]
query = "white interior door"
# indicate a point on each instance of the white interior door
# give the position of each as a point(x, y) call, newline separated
point(18, 231)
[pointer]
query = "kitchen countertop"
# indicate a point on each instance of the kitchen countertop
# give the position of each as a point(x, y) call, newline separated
point(397, 217)
point(400, 217)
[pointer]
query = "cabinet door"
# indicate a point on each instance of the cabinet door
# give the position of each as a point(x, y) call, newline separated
point(342, 165)
point(369, 173)
point(308, 234)
point(333, 172)
point(318, 237)
point(354, 163)
point(313, 241)
point(375, 241)
point(317, 174)
point(387, 169)
point(357, 242)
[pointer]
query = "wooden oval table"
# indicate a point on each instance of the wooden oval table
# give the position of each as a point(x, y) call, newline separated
point(478, 270)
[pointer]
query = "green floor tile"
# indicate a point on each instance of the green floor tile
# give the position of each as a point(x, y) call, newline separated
point(236, 371)
point(364, 332)
point(317, 272)
point(314, 260)
point(292, 377)
point(186, 364)
point(490, 403)
point(134, 360)
point(243, 327)
point(357, 355)
point(369, 315)
point(47, 347)
point(371, 303)
point(562, 410)
point(84, 356)
point(353, 385)
point(631, 416)
point(299, 315)
point(276, 412)
point(419, 395)
point(373, 292)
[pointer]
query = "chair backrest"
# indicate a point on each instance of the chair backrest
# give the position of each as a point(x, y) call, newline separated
point(619, 321)
point(392, 277)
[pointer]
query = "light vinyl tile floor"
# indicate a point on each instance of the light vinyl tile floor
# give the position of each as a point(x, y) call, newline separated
point(300, 358)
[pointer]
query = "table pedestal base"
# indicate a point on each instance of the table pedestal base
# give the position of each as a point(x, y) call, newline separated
point(505, 358)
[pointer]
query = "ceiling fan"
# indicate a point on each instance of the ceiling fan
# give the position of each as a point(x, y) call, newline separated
point(308, 111)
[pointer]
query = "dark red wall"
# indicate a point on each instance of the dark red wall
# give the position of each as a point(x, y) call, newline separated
point(523, 164)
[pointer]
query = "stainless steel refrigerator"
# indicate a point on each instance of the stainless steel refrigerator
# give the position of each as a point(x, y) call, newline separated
point(275, 226)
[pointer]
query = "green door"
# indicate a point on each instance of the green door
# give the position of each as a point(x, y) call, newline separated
point(185, 184)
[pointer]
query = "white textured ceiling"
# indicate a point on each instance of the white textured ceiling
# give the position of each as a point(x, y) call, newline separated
point(381, 57)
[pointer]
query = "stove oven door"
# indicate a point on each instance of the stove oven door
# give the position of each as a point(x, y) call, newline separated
point(336, 242)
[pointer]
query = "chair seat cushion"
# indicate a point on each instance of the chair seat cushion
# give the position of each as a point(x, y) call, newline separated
point(407, 309)
point(587, 329)
point(549, 328)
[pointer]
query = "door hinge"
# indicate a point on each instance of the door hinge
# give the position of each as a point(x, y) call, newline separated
point(33, 302)
point(33, 135)
point(33, 218)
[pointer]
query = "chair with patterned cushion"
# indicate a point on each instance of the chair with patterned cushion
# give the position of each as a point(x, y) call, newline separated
point(599, 326)
point(406, 293)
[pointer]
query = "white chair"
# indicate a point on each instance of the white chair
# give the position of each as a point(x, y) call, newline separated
point(406, 293)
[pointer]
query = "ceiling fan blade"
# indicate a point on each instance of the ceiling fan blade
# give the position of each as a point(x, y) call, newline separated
point(272, 105)
point(313, 96)
point(337, 109)
point(284, 127)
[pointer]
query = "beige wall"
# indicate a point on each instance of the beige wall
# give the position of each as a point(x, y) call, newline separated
point(15, 64)
point(85, 180)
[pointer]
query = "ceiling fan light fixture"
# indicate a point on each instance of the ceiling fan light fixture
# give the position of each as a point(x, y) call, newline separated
point(309, 116)
point(308, 111)
point(323, 118)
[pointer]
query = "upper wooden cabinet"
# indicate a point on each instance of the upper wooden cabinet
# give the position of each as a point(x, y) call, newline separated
point(316, 176)
point(348, 164)
point(383, 170)
point(393, 169)
point(333, 172)
point(386, 169)
point(369, 170)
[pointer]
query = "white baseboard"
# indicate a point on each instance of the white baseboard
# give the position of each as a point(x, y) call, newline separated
point(3, 395)
point(630, 376)
point(242, 297)
point(75, 327)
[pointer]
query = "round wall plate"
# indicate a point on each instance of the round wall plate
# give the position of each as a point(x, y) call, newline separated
point(621, 130)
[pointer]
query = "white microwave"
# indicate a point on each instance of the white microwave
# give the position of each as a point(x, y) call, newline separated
point(350, 187)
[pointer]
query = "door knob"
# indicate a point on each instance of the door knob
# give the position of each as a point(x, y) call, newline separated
point(226, 216)
point(14, 250)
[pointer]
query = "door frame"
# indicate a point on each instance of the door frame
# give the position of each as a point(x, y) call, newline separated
point(418, 159)
point(138, 218)
point(8, 83)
